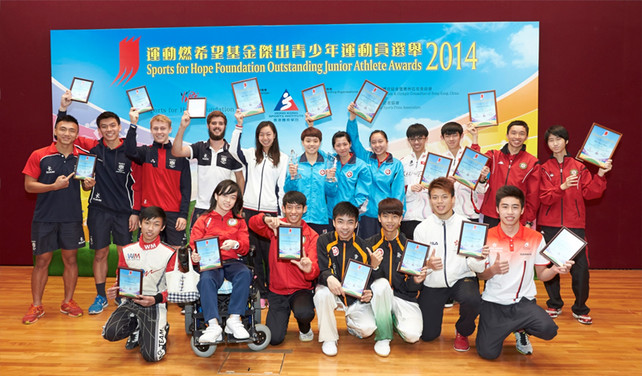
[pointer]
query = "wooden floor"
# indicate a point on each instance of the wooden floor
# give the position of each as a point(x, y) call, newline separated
point(60, 345)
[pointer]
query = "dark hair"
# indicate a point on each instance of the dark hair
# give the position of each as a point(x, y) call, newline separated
point(451, 127)
point(152, 212)
point(520, 123)
point(416, 130)
point(442, 183)
point(339, 135)
point(216, 114)
point(509, 191)
point(556, 130)
point(227, 187)
point(294, 197)
point(107, 115)
point(391, 206)
point(378, 131)
point(274, 152)
point(66, 118)
point(345, 208)
point(311, 132)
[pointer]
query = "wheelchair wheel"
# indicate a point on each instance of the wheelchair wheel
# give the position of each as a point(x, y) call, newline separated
point(263, 337)
point(204, 351)
point(189, 319)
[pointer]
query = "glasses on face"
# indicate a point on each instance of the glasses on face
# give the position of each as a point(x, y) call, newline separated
point(416, 139)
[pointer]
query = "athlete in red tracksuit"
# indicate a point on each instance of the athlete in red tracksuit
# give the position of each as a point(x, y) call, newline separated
point(565, 184)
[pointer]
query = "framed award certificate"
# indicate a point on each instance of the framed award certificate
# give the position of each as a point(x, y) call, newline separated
point(139, 99)
point(472, 238)
point(469, 168)
point(81, 89)
point(290, 241)
point(130, 282)
point(356, 278)
point(85, 166)
point(316, 102)
point(197, 108)
point(414, 258)
point(599, 145)
point(563, 247)
point(248, 97)
point(369, 101)
point(210, 253)
point(482, 107)
point(436, 166)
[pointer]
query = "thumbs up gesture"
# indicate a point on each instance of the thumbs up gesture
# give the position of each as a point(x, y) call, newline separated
point(435, 262)
point(499, 266)
point(375, 257)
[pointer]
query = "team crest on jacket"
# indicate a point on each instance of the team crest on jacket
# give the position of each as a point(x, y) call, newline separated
point(322, 172)
point(232, 222)
point(523, 165)
point(387, 171)
point(172, 163)
point(349, 174)
point(573, 172)
point(335, 251)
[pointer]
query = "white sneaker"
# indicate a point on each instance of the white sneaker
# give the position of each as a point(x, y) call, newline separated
point(382, 348)
point(329, 348)
point(212, 334)
point(235, 327)
point(306, 337)
point(523, 344)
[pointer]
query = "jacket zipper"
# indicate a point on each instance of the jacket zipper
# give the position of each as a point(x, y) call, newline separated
point(443, 223)
point(562, 200)
point(258, 208)
point(510, 164)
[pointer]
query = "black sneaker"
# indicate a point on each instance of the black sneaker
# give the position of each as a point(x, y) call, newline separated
point(132, 341)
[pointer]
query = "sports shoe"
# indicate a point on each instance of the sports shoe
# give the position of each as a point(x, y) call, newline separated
point(33, 314)
point(97, 307)
point(449, 303)
point(235, 327)
point(329, 348)
point(461, 342)
point(553, 312)
point(71, 308)
point(212, 334)
point(306, 337)
point(523, 344)
point(118, 300)
point(382, 348)
point(132, 341)
point(264, 303)
point(583, 319)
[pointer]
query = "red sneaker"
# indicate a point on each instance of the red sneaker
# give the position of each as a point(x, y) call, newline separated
point(461, 342)
point(553, 312)
point(33, 314)
point(583, 319)
point(71, 308)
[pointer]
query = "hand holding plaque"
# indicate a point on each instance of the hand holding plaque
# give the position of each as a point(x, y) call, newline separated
point(356, 278)
point(482, 107)
point(414, 258)
point(290, 242)
point(563, 247)
point(436, 166)
point(316, 102)
point(197, 108)
point(130, 282)
point(472, 239)
point(139, 99)
point(85, 166)
point(470, 167)
point(81, 89)
point(369, 100)
point(599, 145)
point(210, 253)
point(247, 96)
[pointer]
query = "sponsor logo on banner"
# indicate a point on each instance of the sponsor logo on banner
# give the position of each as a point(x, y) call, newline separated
point(129, 60)
point(286, 103)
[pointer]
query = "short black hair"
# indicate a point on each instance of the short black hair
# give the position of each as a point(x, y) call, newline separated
point(152, 212)
point(67, 118)
point(451, 127)
point(556, 130)
point(509, 191)
point(391, 206)
point(339, 135)
point(294, 197)
point(416, 130)
point(378, 131)
point(520, 123)
point(345, 208)
point(107, 115)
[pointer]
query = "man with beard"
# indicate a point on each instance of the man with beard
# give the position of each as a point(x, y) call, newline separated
point(215, 162)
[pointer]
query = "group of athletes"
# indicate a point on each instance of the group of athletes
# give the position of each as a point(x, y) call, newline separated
point(364, 208)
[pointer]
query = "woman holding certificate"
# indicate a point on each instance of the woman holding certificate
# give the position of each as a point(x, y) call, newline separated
point(223, 220)
point(266, 167)
point(565, 184)
point(387, 174)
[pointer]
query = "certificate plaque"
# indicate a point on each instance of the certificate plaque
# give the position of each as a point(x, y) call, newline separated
point(139, 99)
point(130, 282)
point(414, 258)
point(563, 247)
point(210, 253)
point(356, 278)
point(197, 108)
point(482, 107)
point(436, 166)
point(472, 238)
point(316, 102)
point(469, 168)
point(599, 145)
point(248, 97)
point(85, 166)
point(81, 89)
point(290, 241)
point(369, 101)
